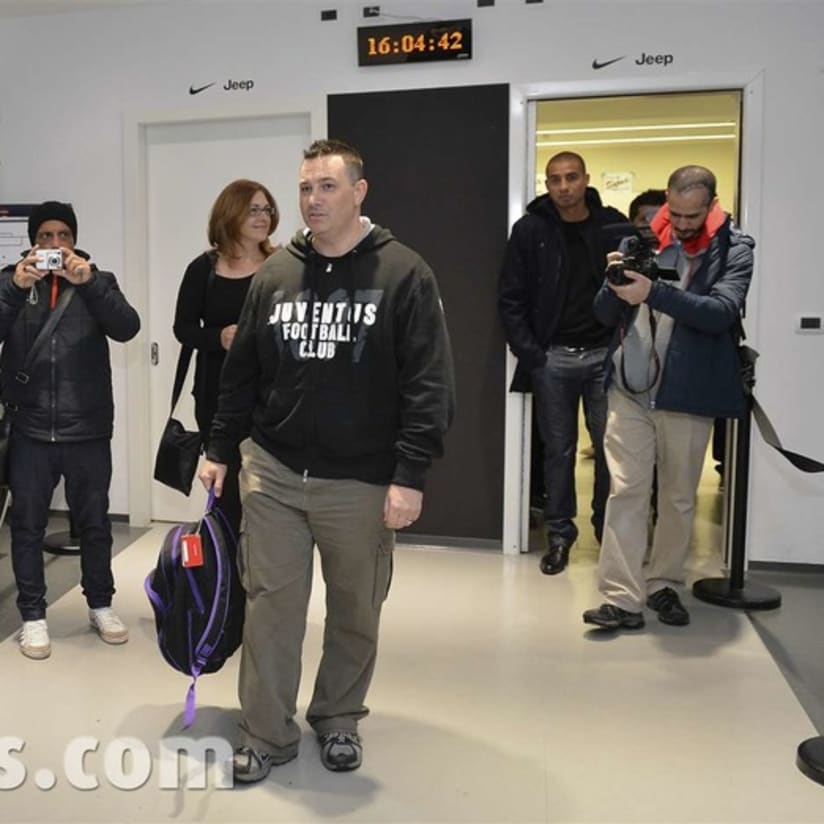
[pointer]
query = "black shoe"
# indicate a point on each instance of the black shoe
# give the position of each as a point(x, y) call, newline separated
point(340, 750)
point(556, 558)
point(609, 616)
point(669, 607)
point(250, 765)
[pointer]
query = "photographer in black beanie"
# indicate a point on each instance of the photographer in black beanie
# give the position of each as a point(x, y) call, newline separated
point(57, 387)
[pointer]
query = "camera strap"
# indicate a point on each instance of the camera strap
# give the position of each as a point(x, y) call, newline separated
point(45, 332)
point(654, 359)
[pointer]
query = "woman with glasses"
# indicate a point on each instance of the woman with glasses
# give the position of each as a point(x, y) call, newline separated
point(211, 296)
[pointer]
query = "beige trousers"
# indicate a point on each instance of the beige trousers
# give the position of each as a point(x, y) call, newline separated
point(636, 441)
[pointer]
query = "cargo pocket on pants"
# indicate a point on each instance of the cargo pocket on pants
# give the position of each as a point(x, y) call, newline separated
point(241, 561)
point(383, 568)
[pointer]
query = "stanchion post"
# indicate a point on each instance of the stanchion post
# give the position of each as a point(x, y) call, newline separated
point(735, 591)
point(63, 543)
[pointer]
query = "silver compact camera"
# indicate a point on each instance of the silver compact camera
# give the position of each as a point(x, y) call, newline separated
point(49, 259)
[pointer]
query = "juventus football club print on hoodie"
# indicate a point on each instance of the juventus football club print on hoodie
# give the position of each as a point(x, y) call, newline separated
point(341, 367)
point(312, 327)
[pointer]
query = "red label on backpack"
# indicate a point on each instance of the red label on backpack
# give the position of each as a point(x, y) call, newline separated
point(192, 550)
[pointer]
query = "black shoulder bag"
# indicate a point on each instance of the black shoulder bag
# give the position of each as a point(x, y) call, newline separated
point(179, 449)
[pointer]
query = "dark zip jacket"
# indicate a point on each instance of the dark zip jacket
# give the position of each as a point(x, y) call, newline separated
point(69, 394)
point(701, 373)
point(340, 367)
point(531, 290)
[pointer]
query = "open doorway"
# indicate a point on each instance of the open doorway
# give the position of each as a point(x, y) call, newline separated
point(630, 144)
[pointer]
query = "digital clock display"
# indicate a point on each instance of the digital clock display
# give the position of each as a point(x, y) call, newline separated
point(415, 42)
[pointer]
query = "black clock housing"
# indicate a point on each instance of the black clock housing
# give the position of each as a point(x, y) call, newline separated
point(415, 42)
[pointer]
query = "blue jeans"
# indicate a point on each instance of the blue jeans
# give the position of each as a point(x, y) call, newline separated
point(571, 375)
point(35, 468)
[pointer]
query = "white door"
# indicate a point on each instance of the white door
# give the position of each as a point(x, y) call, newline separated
point(187, 164)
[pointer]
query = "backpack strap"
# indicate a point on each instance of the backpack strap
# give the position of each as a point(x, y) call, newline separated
point(190, 705)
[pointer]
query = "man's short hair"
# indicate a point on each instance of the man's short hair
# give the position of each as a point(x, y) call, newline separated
point(351, 156)
point(567, 156)
point(651, 197)
point(692, 177)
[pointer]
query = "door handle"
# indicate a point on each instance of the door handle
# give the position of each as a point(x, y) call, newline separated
point(155, 353)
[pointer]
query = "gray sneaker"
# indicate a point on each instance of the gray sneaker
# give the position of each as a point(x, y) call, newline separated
point(249, 765)
point(340, 750)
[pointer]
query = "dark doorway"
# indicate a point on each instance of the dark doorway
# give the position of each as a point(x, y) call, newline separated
point(437, 165)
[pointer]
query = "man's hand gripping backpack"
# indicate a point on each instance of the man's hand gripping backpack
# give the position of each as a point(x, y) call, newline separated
point(197, 598)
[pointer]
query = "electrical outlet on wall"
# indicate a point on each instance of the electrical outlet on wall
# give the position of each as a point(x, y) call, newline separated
point(809, 324)
point(371, 11)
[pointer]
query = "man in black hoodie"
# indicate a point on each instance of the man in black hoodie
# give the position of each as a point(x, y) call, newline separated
point(554, 265)
point(339, 384)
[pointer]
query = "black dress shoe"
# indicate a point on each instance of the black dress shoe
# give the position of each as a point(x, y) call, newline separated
point(556, 558)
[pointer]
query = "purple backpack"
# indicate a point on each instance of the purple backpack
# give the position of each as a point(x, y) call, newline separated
point(198, 609)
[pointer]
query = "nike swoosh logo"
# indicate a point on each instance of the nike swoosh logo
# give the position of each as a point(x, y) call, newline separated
point(596, 65)
point(193, 90)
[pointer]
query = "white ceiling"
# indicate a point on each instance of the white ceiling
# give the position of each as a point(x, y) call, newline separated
point(26, 8)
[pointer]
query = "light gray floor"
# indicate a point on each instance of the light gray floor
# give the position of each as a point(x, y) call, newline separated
point(491, 703)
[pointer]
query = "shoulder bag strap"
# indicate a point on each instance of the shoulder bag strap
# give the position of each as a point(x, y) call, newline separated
point(45, 332)
point(183, 360)
point(186, 352)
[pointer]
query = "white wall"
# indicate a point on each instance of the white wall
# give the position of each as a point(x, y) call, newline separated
point(62, 107)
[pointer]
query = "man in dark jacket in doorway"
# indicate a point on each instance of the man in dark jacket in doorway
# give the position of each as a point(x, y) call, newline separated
point(62, 412)
point(554, 266)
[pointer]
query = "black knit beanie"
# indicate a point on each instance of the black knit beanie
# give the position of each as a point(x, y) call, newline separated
point(52, 210)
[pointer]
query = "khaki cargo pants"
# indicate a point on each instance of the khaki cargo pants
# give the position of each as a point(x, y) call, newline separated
point(284, 517)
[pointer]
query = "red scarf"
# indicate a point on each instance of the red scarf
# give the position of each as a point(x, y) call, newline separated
point(661, 224)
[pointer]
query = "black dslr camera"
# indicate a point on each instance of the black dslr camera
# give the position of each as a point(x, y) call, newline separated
point(639, 256)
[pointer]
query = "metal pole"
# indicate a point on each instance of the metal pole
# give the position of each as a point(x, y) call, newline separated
point(735, 591)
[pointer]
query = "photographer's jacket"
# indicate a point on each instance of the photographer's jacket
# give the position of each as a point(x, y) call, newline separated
point(533, 285)
point(340, 367)
point(699, 370)
point(69, 394)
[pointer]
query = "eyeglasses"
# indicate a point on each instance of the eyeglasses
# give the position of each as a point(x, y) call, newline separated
point(255, 211)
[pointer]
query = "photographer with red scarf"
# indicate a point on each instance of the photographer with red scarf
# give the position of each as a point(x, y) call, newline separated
point(672, 368)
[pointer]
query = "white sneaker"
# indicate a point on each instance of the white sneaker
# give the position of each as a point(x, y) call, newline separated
point(109, 627)
point(34, 639)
